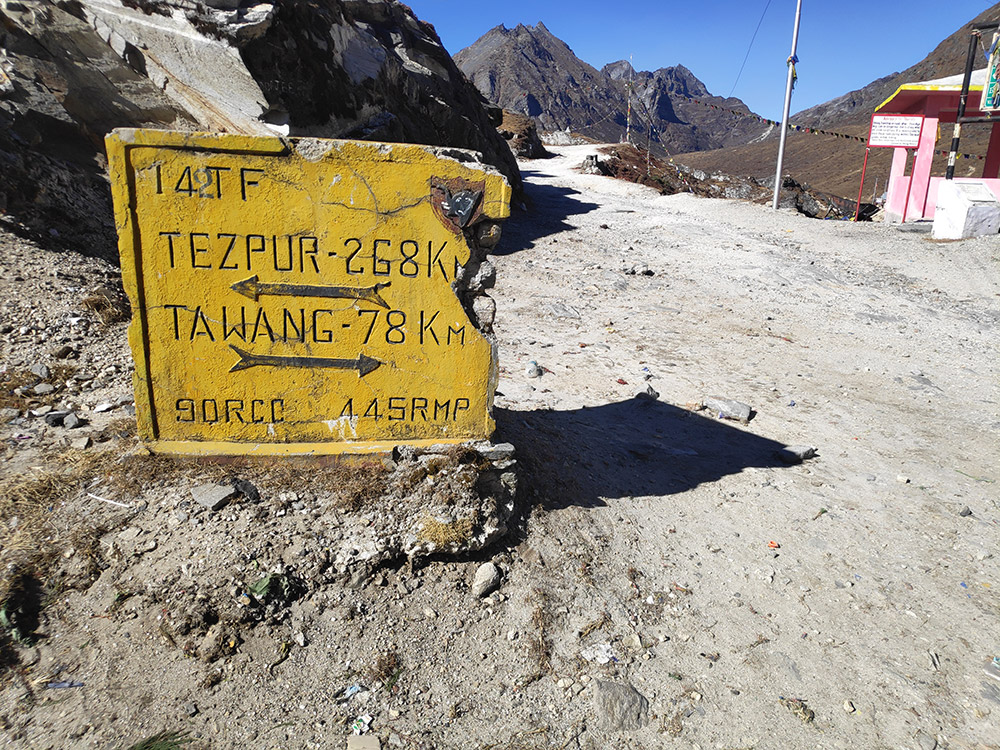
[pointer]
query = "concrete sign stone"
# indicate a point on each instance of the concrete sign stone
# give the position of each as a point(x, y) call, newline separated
point(304, 296)
point(965, 209)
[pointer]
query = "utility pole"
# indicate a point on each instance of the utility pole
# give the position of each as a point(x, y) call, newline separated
point(628, 94)
point(792, 59)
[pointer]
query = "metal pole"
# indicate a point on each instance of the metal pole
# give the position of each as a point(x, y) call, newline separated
point(861, 187)
point(788, 105)
point(957, 133)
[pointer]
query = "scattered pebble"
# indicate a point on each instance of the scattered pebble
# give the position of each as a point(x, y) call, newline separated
point(795, 454)
point(798, 707)
point(601, 653)
point(212, 496)
point(726, 408)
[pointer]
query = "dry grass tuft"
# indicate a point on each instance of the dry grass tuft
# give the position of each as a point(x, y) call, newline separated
point(444, 534)
point(110, 309)
point(12, 379)
point(540, 642)
point(599, 624)
point(124, 427)
point(130, 469)
point(387, 668)
point(26, 505)
point(356, 485)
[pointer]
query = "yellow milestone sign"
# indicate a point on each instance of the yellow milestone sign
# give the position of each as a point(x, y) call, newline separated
point(297, 295)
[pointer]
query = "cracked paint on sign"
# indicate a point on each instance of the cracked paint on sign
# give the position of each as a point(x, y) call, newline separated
point(285, 290)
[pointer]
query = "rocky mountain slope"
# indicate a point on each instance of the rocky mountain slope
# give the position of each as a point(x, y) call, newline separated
point(834, 164)
point(74, 70)
point(529, 70)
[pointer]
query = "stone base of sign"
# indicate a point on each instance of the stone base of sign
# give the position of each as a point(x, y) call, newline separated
point(449, 499)
point(965, 209)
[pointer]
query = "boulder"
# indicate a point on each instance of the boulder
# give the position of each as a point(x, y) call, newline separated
point(521, 135)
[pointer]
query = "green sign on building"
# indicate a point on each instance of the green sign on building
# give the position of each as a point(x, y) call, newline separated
point(991, 90)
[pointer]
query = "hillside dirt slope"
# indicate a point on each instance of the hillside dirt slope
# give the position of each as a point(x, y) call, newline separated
point(673, 580)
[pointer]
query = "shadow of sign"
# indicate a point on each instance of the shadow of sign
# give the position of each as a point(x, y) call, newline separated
point(549, 208)
point(625, 449)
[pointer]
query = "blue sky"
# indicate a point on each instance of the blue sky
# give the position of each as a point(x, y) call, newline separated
point(843, 45)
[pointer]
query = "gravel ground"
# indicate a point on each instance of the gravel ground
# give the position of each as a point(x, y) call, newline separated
point(673, 581)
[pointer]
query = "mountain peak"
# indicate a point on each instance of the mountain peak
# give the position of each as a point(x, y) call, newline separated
point(619, 70)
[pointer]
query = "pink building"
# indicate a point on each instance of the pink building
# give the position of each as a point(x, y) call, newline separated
point(913, 197)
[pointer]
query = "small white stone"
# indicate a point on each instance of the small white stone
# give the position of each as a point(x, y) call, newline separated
point(486, 581)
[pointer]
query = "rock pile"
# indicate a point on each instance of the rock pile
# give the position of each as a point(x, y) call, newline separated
point(630, 163)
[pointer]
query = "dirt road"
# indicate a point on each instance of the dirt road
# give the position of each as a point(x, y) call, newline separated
point(875, 345)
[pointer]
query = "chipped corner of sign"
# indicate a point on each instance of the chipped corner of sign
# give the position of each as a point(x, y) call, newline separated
point(121, 135)
point(458, 204)
point(312, 149)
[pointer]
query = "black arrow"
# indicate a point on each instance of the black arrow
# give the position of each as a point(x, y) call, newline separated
point(253, 288)
point(363, 364)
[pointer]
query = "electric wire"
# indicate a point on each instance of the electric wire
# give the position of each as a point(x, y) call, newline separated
point(750, 47)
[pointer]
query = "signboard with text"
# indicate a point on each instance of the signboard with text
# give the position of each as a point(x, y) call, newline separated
point(295, 296)
point(895, 131)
